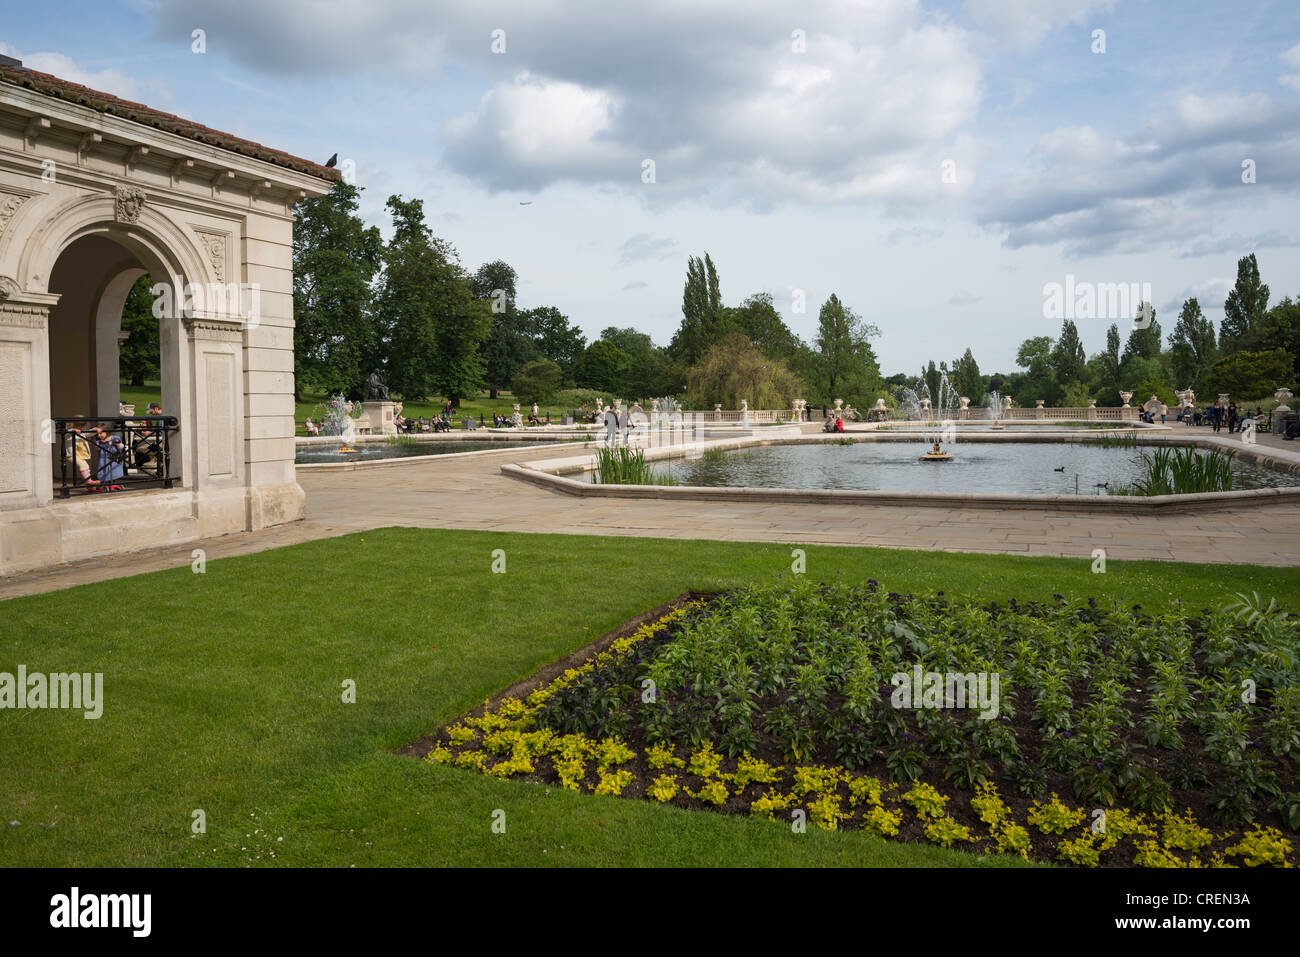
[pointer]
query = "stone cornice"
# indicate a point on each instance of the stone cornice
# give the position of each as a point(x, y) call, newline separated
point(78, 120)
point(214, 330)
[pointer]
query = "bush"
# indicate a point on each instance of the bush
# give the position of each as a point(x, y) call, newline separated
point(537, 381)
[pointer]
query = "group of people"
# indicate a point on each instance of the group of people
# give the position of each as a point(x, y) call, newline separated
point(439, 423)
point(833, 423)
point(100, 456)
point(1218, 415)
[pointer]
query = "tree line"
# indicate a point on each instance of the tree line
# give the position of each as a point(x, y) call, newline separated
point(410, 310)
point(1255, 350)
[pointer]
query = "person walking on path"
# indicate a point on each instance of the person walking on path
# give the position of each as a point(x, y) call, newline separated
point(1216, 415)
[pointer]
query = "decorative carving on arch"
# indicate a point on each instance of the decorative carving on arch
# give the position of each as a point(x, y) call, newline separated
point(214, 249)
point(9, 288)
point(127, 203)
point(9, 204)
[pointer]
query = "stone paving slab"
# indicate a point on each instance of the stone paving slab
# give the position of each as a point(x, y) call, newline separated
point(471, 493)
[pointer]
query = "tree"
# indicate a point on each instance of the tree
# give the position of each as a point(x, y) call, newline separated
point(966, 378)
point(758, 320)
point(537, 381)
point(1250, 376)
point(1106, 384)
point(1039, 381)
point(1068, 358)
point(647, 371)
point(847, 363)
point(555, 338)
point(1245, 305)
point(1144, 341)
point(511, 342)
point(602, 367)
point(702, 315)
point(138, 358)
point(335, 259)
point(735, 369)
point(428, 314)
point(1191, 346)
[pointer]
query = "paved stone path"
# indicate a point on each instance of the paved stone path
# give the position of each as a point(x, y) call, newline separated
point(470, 492)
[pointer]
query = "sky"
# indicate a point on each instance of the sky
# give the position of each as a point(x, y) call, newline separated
point(936, 165)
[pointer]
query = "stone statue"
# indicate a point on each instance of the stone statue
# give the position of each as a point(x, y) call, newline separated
point(376, 391)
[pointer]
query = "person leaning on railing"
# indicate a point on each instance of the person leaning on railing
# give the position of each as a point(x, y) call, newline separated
point(146, 446)
point(77, 451)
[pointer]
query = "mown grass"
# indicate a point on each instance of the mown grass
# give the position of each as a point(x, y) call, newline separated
point(223, 693)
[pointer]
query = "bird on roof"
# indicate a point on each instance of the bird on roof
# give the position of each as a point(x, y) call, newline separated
point(329, 163)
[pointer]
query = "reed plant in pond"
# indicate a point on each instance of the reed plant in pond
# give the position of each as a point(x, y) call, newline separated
point(626, 467)
point(1183, 471)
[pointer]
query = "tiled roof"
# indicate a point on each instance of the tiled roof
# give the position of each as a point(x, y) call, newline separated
point(49, 85)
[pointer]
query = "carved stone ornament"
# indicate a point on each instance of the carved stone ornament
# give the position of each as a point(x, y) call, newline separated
point(9, 288)
point(127, 203)
point(214, 246)
point(9, 203)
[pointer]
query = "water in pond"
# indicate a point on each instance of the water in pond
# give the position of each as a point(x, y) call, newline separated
point(366, 451)
point(983, 467)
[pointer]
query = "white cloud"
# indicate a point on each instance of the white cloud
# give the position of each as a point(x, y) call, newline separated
point(56, 64)
point(1024, 23)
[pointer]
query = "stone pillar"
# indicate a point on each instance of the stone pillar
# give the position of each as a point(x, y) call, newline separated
point(380, 417)
point(213, 425)
point(1092, 410)
point(1039, 411)
point(27, 453)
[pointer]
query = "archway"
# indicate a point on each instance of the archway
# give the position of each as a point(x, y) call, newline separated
point(93, 274)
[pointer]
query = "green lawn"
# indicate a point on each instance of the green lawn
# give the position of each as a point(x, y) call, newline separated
point(223, 693)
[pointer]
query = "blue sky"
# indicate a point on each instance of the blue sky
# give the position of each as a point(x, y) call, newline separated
point(820, 170)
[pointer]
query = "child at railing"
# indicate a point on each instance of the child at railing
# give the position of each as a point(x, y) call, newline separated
point(77, 451)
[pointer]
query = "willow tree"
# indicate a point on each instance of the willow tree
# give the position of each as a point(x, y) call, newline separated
point(736, 369)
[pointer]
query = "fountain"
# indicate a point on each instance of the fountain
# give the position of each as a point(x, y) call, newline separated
point(934, 413)
point(994, 402)
point(337, 418)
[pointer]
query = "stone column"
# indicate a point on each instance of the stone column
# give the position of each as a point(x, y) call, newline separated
point(28, 457)
point(212, 424)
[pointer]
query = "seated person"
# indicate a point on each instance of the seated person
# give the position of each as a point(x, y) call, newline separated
point(112, 454)
point(829, 424)
point(77, 451)
point(311, 428)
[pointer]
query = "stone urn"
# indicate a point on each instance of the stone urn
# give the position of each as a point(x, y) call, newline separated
point(1040, 403)
point(1283, 396)
point(1127, 397)
point(654, 406)
point(1006, 402)
point(1223, 399)
point(1092, 403)
point(925, 404)
point(839, 404)
point(965, 402)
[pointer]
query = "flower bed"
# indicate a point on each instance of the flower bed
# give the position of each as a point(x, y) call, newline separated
point(1071, 733)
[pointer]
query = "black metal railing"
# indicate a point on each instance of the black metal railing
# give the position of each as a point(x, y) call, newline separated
point(97, 454)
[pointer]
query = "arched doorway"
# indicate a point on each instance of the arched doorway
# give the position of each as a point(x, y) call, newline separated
point(93, 276)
